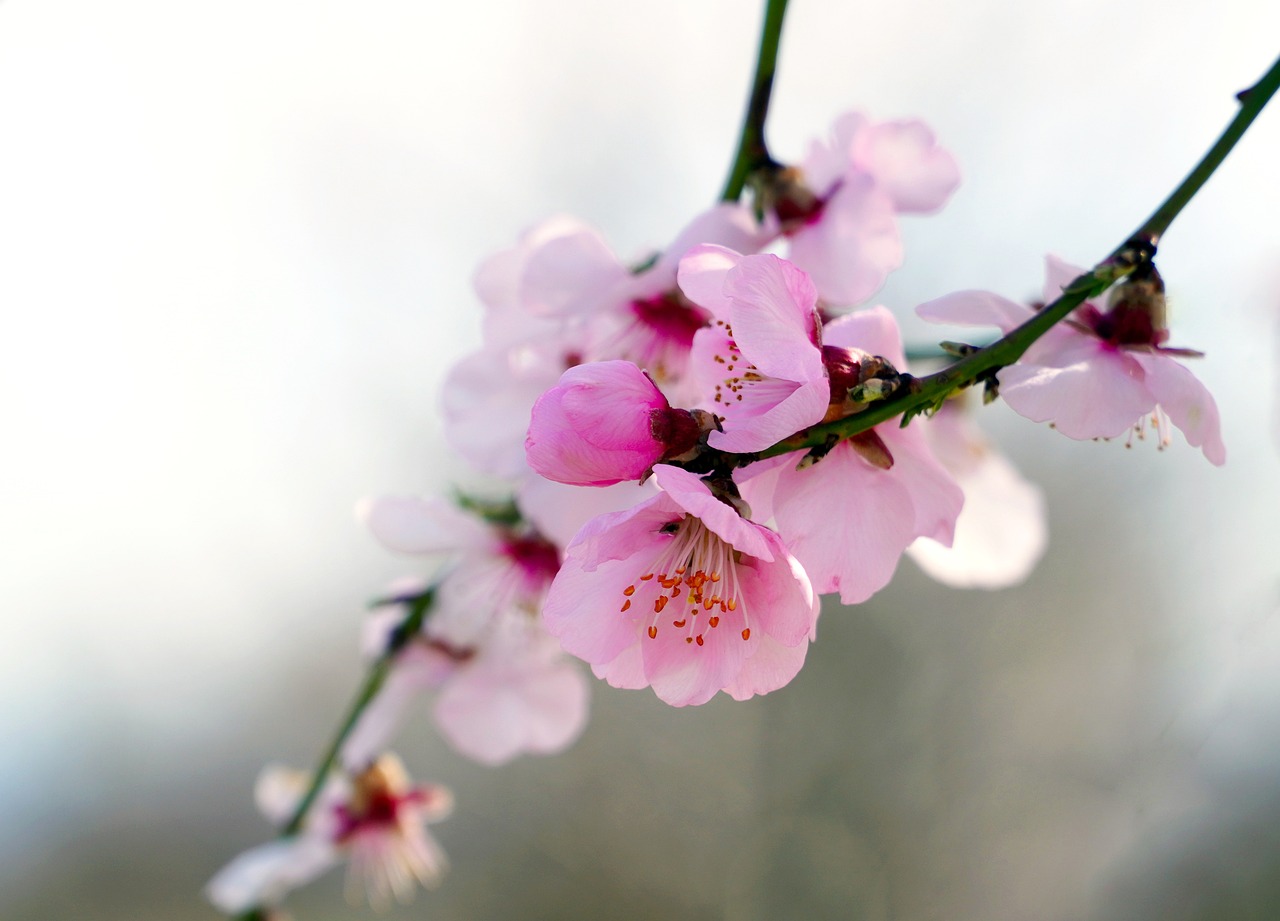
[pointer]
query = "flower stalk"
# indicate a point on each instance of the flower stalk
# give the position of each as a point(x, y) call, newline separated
point(752, 152)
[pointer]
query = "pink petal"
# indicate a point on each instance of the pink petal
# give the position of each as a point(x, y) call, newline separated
point(626, 670)
point(934, 493)
point(846, 522)
point(609, 402)
point(689, 492)
point(500, 707)
point(1000, 534)
point(1098, 396)
point(583, 611)
point(570, 274)
point(1188, 403)
point(685, 675)
point(975, 308)
point(828, 160)
point(782, 603)
point(853, 246)
point(905, 159)
point(874, 330)
point(728, 225)
point(760, 424)
point(701, 277)
point(771, 666)
point(774, 317)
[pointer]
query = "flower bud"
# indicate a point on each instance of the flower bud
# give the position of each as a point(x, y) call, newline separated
point(603, 423)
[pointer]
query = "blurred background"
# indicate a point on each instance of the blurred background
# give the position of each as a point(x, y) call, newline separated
point(235, 249)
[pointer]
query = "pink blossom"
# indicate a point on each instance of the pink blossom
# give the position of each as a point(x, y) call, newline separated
point(743, 623)
point(493, 567)
point(849, 517)
point(376, 819)
point(761, 360)
point(506, 692)
point(603, 423)
point(843, 229)
point(1001, 532)
point(1099, 374)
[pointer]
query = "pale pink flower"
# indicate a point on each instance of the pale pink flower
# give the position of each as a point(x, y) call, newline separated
point(1099, 374)
point(503, 687)
point(376, 819)
point(761, 360)
point(603, 423)
point(845, 232)
point(638, 316)
point(683, 594)
point(1001, 532)
point(560, 297)
point(849, 517)
point(493, 568)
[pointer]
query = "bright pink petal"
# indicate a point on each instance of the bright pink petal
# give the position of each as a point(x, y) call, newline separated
point(609, 403)
point(1098, 396)
point(1188, 403)
point(975, 308)
point(853, 246)
point(683, 674)
point(905, 159)
point(874, 331)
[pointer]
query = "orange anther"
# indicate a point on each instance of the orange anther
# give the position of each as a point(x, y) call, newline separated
point(699, 639)
point(629, 590)
point(653, 633)
point(659, 603)
point(714, 621)
point(746, 633)
point(626, 604)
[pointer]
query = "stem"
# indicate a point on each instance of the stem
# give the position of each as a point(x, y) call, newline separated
point(373, 681)
point(1138, 249)
point(752, 151)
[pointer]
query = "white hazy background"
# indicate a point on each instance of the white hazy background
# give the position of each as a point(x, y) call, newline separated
point(235, 249)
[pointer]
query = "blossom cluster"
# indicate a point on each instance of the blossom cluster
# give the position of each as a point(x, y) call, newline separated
point(672, 523)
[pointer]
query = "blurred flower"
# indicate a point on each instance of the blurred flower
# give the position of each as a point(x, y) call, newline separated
point(376, 819)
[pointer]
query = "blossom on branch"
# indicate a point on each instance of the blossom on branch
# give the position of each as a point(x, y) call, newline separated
point(375, 818)
point(1102, 372)
point(683, 594)
point(839, 209)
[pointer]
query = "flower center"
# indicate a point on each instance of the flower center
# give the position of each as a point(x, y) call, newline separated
point(693, 583)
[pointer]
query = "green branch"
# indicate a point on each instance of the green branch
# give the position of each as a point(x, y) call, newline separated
point(752, 151)
point(925, 392)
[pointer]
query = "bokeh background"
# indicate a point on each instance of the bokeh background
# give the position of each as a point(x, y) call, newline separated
point(235, 249)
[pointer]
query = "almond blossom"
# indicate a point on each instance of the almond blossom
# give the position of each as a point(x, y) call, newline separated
point(503, 686)
point(761, 361)
point(683, 594)
point(849, 517)
point(376, 819)
point(839, 208)
point(1101, 373)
